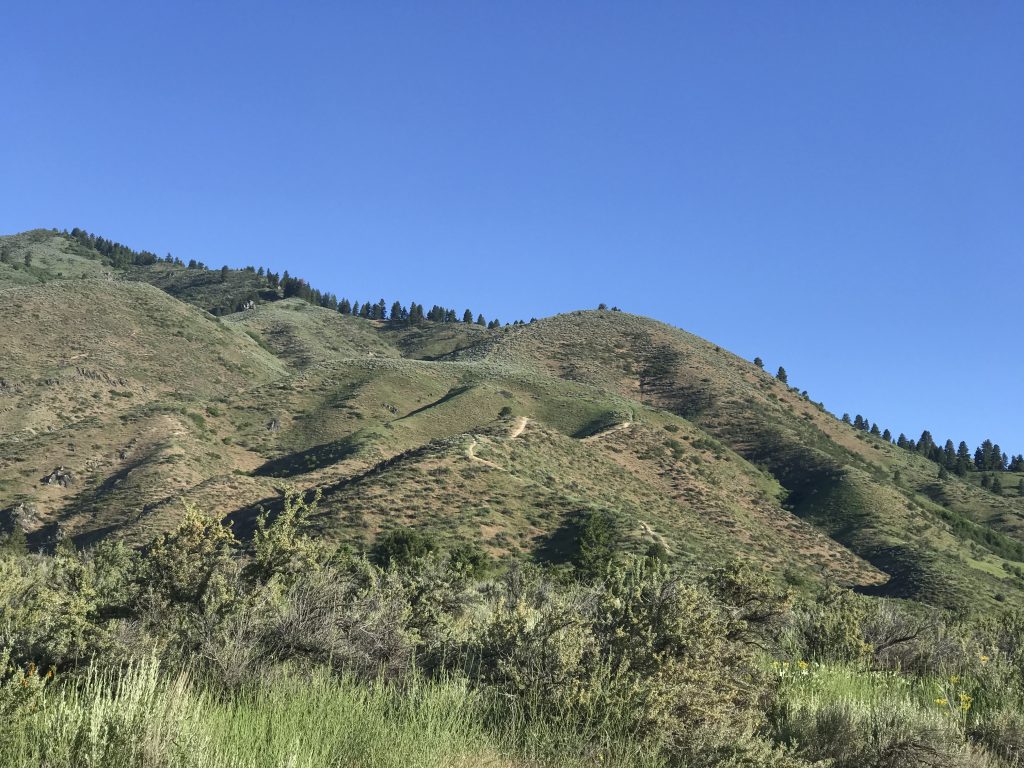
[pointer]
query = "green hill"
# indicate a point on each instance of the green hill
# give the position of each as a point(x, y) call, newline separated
point(507, 437)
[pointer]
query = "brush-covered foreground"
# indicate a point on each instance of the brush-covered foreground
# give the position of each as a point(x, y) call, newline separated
point(204, 651)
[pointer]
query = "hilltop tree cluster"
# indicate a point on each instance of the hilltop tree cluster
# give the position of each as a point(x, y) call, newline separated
point(959, 459)
point(285, 286)
point(116, 254)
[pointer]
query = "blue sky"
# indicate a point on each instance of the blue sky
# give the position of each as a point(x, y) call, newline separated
point(837, 187)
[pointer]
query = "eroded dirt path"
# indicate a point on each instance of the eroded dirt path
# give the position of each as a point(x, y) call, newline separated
point(471, 455)
point(518, 427)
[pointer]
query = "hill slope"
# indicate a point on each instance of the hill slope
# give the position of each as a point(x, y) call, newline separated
point(508, 437)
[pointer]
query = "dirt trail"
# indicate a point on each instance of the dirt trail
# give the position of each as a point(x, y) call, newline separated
point(471, 455)
point(611, 430)
point(648, 531)
point(518, 427)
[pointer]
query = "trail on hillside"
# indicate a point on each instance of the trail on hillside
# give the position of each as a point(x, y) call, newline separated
point(649, 531)
point(611, 430)
point(518, 427)
point(471, 455)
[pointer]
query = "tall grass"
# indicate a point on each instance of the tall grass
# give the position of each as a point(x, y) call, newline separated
point(857, 717)
point(139, 717)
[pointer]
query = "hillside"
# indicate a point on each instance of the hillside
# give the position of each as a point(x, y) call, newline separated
point(507, 437)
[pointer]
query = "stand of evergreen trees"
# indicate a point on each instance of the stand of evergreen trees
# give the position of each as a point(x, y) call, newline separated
point(987, 457)
point(284, 285)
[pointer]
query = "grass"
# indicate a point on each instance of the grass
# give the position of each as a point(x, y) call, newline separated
point(856, 717)
point(139, 716)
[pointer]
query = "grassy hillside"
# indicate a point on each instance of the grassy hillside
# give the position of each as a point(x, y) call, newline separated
point(509, 437)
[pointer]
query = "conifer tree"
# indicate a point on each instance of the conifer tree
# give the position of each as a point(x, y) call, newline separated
point(467, 317)
point(782, 376)
point(997, 485)
point(887, 436)
point(846, 418)
point(759, 363)
point(344, 307)
point(963, 455)
point(480, 320)
point(949, 455)
point(397, 312)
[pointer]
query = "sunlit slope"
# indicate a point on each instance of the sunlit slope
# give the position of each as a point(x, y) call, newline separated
point(508, 437)
point(888, 495)
point(106, 378)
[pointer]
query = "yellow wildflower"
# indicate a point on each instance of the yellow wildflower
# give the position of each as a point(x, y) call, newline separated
point(965, 702)
point(941, 701)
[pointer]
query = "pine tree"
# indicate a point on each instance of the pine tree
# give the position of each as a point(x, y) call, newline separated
point(397, 312)
point(858, 422)
point(467, 317)
point(344, 307)
point(782, 376)
point(997, 485)
point(963, 455)
point(901, 441)
point(846, 418)
point(355, 309)
point(224, 273)
point(480, 320)
point(759, 363)
point(949, 455)
point(28, 258)
point(875, 430)
point(887, 436)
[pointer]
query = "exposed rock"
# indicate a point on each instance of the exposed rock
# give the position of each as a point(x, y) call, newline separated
point(24, 516)
point(274, 425)
point(60, 476)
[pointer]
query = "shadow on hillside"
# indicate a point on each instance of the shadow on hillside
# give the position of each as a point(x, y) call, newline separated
point(452, 393)
point(317, 457)
point(561, 546)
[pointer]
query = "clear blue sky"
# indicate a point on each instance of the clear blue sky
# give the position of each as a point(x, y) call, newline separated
point(834, 186)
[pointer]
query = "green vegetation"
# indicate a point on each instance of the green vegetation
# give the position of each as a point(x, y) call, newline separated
point(202, 650)
point(532, 544)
